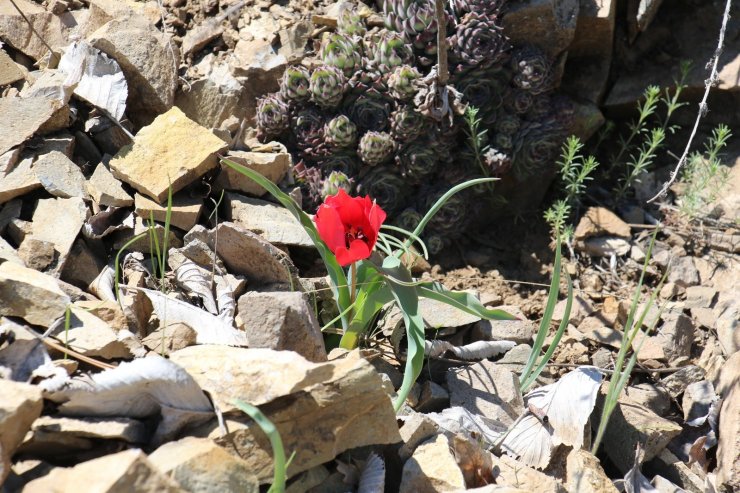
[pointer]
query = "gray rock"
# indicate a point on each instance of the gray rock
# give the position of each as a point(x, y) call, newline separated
point(106, 190)
point(631, 423)
point(646, 394)
point(728, 327)
point(683, 272)
point(549, 24)
point(184, 212)
point(18, 181)
point(700, 297)
point(148, 58)
point(271, 165)
point(676, 336)
point(59, 221)
point(416, 428)
point(488, 389)
point(580, 309)
point(728, 451)
point(697, 399)
point(272, 222)
point(518, 331)
point(283, 321)
point(9, 71)
point(31, 295)
point(433, 398)
point(676, 383)
point(214, 98)
point(60, 176)
point(20, 406)
point(606, 246)
point(199, 465)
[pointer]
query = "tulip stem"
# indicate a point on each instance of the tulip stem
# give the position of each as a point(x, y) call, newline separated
point(353, 276)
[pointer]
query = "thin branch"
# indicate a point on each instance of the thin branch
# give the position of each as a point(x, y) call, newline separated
point(51, 51)
point(703, 109)
point(443, 73)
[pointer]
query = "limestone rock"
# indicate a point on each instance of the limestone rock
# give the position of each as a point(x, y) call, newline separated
point(106, 190)
point(129, 470)
point(9, 71)
point(143, 244)
point(700, 297)
point(281, 320)
point(37, 254)
point(315, 406)
point(676, 383)
point(604, 246)
point(19, 180)
point(148, 59)
point(17, 33)
point(599, 221)
point(697, 399)
point(248, 254)
point(416, 429)
point(584, 473)
point(30, 115)
point(174, 337)
point(648, 395)
point(511, 472)
point(273, 166)
point(488, 389)
point(272, 222)
point(59, 221)
point(549, 24)
point(82, 265)
point(212, 99)
point(31, 295)
point(200, 466)
point(106, 310)
point(683, 272)
point(173, 149)
point(433, 397)
point(432, 468)
point(60, 176)
point(184, 213)
point(631, 423)
point(93, 337)
point(728, 452)
point(518, 331)
point(20, 406)
point(580, 309)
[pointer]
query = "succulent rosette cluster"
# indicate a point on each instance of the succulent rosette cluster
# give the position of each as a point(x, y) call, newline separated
point(361, 118)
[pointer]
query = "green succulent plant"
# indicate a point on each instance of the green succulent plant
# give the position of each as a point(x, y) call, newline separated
point(369, 110)
point(273, 116)
point(407, 123)
point(403, 82)
point(350, 21)
point(388, 188)
point(533, 70)
point(478, 42)
point(294, 84)
point(376, 148)
point(390, 50)
point(334, 182)
point(417, 161)
point(327, 86)
point(343, 52)
point(341, 132)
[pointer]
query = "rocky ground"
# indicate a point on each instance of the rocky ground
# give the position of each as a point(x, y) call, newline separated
point(137, 98)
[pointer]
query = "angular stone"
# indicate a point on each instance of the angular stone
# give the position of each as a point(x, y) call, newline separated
point(174, 337)
point(199, 465)
point(673, 468)
point(30, 115)
point(106, 310)
point(272, 222)
point(604, 246)
point(599, 221)
point(416, 428)
point(549, 24)
point(184, 213)
point(631, 423)
point(518, 331)
point(59, 221)
point(676, 383)
point(649, 396)
point(699, 297)
point(584, 473)
point(125, 471)
point(172, 150)
point(209, 101)
point(20, 406)
point(9, 71)
point(697, 399)
point(9, 159)
point(728, 452)
point(93, 337)
point(728, 326)
point(488, 389)
point(281, 320)
point(60, 176)
point(106, 190)
point(593, 329)
point(273, 166)
point(433, 397)
point(8, 253)
point(50, 434)
point(511, 472)
point(662, 485)
point(16, 32)
point(143, 244)
point(315, 406)
point(432, 468)
point(683, 272)
point(82, 265)
point(31, 295)
point(676, 336)
point(248, 254)
point(148, 58)
point(19, 181)
point(580, 309)
point(37, 254)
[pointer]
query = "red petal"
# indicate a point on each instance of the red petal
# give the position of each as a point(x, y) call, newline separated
point(358, 250)
point(330, 227)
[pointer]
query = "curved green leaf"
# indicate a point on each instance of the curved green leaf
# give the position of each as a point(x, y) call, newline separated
point(462, 301)
point(336, 273)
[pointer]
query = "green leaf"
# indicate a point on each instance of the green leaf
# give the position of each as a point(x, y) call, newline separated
point(407, 298)
point(552, 299)
point(336, 273)
point(462, 301)
point(372, 294)
point(278, 452)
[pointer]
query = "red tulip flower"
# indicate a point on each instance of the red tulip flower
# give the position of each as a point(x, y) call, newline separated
point(349, 226)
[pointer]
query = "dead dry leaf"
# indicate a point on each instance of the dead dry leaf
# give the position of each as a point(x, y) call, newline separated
point(372, 477)
point(474, 351)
